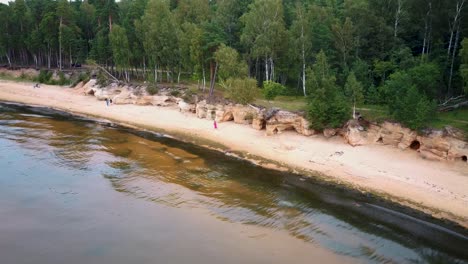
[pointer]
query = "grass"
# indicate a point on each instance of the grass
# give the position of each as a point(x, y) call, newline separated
point(374, 113)
point(457, 118)
point(289, 103)
point(8, 77)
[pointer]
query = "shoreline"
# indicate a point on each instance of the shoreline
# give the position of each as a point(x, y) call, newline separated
point(439, 189)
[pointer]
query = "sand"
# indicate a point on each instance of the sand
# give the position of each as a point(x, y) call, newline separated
point(438, 188)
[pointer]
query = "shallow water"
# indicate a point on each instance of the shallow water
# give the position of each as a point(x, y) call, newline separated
point(73, 191)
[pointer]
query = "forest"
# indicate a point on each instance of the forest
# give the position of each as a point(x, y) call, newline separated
point(408, 56)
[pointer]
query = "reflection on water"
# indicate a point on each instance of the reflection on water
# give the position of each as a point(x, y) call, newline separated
point(187, 178)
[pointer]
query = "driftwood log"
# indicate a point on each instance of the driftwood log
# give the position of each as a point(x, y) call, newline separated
point(453, 103)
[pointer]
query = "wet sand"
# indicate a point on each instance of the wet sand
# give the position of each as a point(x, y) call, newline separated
point(438, 188)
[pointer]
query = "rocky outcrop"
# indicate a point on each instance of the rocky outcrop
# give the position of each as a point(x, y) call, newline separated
point(90, 87)
point(220, 113)
point(186, 107)
point(156, 100)
point(441, 145)
point(125, 96)
point(330, 132)
point(102, 94)
point(446, 144)
point(259, 120)
point(243, 114)
point(284, 120)
point(354, 137)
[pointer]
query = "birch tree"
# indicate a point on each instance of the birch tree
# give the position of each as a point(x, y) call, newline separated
point(455, 27)
point(354, 90)
point(344, 39)
point(120, 50)
point(264, 32)
point(300, 32)
point(398, 15)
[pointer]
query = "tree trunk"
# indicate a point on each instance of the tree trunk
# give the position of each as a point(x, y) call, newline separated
point(267, 75)
point(454, 26)
point(178, 77)
point(354, 109)
point(155, 74)
point(303, 62)
point(8, 59)
point(272, 67)
point(60, 44)
point(427, 21)
point(450, 90)
point(213, 81)
point(49, 55)
point(397, 17)
point(144, 68)
point(204, 78)
point(71, 58)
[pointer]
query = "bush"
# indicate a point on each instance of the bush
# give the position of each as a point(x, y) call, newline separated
point(102, 80)
point(241, 90)
point(408, 101)
point(413, 109)
point(327, 107)
point(152, 89)
point(272, 89)
point(44, 76)
point(175, 93)
point(188, 96)
point(82, 77)
point(62, 79)
point(330, 113)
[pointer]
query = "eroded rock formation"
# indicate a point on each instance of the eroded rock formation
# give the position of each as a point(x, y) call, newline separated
point(284, 120)
point(446, 144)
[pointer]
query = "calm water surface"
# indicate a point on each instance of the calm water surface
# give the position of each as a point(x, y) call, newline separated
point(79, 192)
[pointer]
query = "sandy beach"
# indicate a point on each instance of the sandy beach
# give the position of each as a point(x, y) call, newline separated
point(438, 188)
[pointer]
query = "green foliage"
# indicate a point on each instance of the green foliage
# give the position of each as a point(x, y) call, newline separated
point(229, 63)
point(327, 107)
point(413, 109)
point(120, 47)
point(62, 79)
point(189, 96)
point(152, 89)
point(44, 76)
point(241, 90)
point(424, 77)
point(272, 89)
point(265, 39)
point(102, 79)
point(264, 29)
point(175, 93)
point(82, 77)
point(159, 34)
point(354, 91)
point(407, 98)
point(464, 64)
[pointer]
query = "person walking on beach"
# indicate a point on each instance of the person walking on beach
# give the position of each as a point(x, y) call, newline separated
point(215, 125)
point(107, 101)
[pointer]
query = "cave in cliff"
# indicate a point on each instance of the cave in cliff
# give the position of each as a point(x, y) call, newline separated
point(415, 145)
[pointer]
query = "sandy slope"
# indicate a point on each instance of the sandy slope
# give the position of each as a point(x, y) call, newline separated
point(442, 186)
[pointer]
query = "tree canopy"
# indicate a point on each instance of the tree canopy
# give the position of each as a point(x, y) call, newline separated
point(376, 44)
